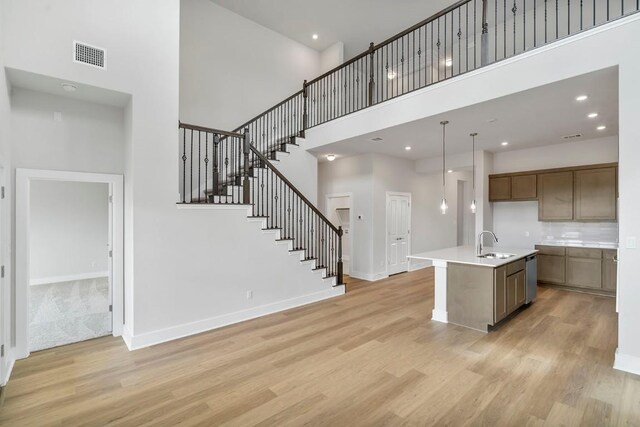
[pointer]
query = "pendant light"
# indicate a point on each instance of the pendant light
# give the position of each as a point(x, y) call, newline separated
point(473, 154)
point(443, 205)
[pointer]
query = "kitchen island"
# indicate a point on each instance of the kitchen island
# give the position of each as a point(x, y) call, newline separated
point(478, 292)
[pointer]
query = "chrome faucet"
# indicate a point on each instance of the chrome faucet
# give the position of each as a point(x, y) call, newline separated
point(479, 247)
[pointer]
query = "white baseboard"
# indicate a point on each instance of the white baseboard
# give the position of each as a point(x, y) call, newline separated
point(69, 278)
point(135, 342)
point(11, 361)
point(440, 316)
point(368, 276)
point(126, 337)
point(627, 363)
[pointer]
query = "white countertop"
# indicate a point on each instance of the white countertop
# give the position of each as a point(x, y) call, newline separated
point(467, 255)
point(579, 244)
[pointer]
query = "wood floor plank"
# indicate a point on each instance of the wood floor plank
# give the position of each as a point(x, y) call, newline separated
point(371, 357)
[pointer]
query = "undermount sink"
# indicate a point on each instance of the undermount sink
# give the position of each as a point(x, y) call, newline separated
point(496, 255)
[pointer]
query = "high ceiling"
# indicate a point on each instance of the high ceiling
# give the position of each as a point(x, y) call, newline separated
point(536, 117)
point(356, 23)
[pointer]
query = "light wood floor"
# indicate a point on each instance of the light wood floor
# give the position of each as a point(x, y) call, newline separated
point(372, 357)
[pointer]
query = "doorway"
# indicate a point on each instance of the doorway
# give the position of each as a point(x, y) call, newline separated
point(340, 213)
point(464, 218)
point(398, 232)
point(69, 258)
point(69, 286)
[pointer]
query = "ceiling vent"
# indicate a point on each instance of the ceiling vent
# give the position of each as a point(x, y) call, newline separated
point(89, 55)
point(575, 136)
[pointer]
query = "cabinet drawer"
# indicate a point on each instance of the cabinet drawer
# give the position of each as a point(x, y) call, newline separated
point(551, 250)
point(515, 266)
point(584, 253)
point(584, 272)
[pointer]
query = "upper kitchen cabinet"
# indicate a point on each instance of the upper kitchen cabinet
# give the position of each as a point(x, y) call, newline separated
point(524, 187)
point(580, 193)
point(596, 194)
point(555, 196)
point(499, 188)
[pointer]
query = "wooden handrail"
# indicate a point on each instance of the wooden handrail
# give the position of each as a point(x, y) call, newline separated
point(295, 190)
point(269, 110)
point(210, 130)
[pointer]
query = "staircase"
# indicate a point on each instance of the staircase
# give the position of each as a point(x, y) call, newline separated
point(226, 168)
point(238, 168)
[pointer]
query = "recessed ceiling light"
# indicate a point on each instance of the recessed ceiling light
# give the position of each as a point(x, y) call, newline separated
point(68, 87)
point(450, 171)
point(407, 148)
point(331, 157)
point(582, 98)
point(603, 127)
point(448, 62)
point(376, 139)
point(593, 115)
point(504, 143)
point(391, 75)
point(315, 37)
point(492, 120)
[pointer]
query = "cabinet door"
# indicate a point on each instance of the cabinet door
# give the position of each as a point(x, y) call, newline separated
point(521, 288)
point(524, 187)
point(551, 269)
point(512, 299)
point(609, 270)
point(596, 195)
point(499, 189)
point(500, 294)
point(555, 196)
point(584, 272)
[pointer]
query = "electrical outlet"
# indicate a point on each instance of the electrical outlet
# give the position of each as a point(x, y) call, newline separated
point(57, 116)
point(527, 234)
point(249, 294)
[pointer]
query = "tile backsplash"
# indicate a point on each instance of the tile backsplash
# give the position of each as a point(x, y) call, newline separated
point(604, 232)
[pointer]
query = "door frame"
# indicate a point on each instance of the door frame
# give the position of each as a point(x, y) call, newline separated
point(386, 227)
point(351, 215)
point(24, 177)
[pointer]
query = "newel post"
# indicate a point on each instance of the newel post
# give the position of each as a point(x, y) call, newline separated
point(246, 185)
point(215, 171)
point(305, 109)
point(340, 280)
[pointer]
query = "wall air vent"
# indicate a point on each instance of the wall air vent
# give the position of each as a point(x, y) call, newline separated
point(574, 136)
point(89, 55)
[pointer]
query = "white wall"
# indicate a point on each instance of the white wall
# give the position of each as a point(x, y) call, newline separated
point(88, 137)
point(331, 57)
point(352, 175)
point(576, 153)
point(69, 226)
point(529, 70)
point(369, 177)
point(232, 69)
point(6, 292)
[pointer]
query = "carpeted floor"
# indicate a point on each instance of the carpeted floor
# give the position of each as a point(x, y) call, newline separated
point(68, 312)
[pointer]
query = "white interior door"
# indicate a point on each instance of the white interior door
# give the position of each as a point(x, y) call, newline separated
point(398, 232)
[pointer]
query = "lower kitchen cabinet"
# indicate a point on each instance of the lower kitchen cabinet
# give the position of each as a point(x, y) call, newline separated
point(578, 267)
point(551, 269)
point(584, 272)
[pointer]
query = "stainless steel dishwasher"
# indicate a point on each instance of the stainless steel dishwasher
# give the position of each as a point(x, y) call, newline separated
point(531, 268)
